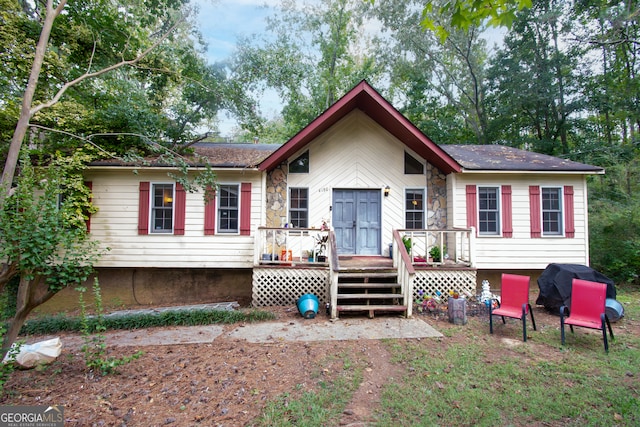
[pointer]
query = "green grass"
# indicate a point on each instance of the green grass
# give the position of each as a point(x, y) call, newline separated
point(484, 382)
point(323, 404)
point(59, 323)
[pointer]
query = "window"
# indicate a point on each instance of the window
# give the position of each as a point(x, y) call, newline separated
point(552, 211)
point(412, 166)
point(488, 211)
point(162, 208)
point(414, 209)
point(228, 202)
point(299, 207)
point(301, 164)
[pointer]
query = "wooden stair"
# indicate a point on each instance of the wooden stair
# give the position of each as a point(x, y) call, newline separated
point(370, 291)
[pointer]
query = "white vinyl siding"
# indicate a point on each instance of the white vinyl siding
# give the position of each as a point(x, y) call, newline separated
point(115, 225)
point(521, 251)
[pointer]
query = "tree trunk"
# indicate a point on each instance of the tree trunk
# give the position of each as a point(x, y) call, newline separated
point(27, 100)
point(7, 271)
point(31, 293)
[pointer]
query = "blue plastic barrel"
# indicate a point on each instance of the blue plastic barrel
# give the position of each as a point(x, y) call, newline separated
point(308, 306)
point(614, 310)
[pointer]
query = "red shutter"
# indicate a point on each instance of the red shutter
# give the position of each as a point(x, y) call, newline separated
point(180, 207)
point(87, 222)
point(534, 211)
point(210, 216)
point(471, 207)
point(507, 227)
point(569, 227)
point(143, 209)
point(245, 209)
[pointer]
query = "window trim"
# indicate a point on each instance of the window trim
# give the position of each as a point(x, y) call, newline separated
point(422, 190)
point(219, 209)
point(498, 211)
point(153, 209)
point(290, 210)
point(559, 190)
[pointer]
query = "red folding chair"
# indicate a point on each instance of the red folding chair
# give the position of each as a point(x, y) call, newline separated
point(514, 302)
point(588, 309)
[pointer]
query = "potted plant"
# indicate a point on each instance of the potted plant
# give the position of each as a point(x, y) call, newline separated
point(407, 243)
point(321, 247)
point(436, 255)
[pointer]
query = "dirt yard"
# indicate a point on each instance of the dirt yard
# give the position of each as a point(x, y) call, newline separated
point(226, 382)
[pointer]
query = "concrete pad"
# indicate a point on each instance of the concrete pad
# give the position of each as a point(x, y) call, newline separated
point(341, 329)
point(153, 336)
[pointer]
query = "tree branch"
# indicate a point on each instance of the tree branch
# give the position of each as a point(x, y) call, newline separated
point(105, 70)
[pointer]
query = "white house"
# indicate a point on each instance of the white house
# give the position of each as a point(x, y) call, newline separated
point(369, 175)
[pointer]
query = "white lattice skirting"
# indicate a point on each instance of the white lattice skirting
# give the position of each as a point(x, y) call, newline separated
point(283, 286)
point(430, 282)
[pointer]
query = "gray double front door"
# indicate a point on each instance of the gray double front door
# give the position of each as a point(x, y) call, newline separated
point(356, 221)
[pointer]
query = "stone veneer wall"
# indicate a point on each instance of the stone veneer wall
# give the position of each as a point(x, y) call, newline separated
point(436, 198)
point(277, 196)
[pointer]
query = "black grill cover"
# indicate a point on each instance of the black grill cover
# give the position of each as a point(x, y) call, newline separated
point(555, 284)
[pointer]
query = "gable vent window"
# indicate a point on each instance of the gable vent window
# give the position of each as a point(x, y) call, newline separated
point(300, 164)
point(412, 166)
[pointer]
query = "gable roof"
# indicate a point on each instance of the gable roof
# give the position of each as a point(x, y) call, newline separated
point(366, 99)
point(502, 158)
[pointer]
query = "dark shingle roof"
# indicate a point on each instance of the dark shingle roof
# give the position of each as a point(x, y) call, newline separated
point(502, 158)
point(235, 155)
point(220, 155)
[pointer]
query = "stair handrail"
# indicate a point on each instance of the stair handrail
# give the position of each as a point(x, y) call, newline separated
point(334, 268)
point(406, 272)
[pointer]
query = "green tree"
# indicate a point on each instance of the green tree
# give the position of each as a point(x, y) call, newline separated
point(440, 82)
point(124, 72)
point(612, 92)
point(535, 90)
point(308, 56)
point(44, 236)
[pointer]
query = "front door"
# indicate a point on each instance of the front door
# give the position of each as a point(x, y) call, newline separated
point(356, 221)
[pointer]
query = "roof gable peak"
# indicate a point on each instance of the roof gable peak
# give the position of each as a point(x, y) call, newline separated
point(365, 98)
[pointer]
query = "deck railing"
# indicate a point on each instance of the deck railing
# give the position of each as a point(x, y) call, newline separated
point(439, 247)
point(334, 269)
point(406, 272)
point(291, 246)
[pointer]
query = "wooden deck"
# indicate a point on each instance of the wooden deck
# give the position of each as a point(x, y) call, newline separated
point(364, 262)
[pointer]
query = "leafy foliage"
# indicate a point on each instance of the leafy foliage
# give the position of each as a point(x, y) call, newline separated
point(43, 230)
point(60, 323)
point(467, 13)
point(169, 96)
point(94, 347)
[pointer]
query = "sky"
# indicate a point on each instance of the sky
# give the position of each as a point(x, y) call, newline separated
point(222, 22)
